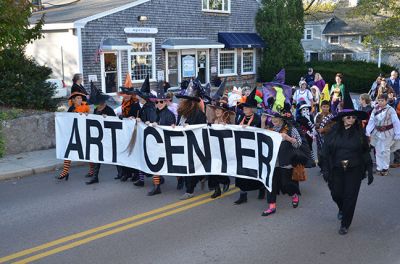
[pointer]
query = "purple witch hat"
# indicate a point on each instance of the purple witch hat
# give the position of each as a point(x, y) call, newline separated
point(279, 81)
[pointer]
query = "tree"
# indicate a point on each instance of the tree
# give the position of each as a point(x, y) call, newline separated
point(318, 6)
point(280, 23)
point(384, 16)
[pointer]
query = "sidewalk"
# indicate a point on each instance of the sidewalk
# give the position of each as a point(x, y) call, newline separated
point(29, 163)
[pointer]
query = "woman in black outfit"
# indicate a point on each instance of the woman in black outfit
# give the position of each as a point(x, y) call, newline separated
point(346, 155)
point(77, 84)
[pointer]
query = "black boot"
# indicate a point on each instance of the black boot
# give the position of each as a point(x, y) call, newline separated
point(95, 177)
point(156, 190)
point(217, 192)
point(261, 193)
point(119, 173)
point(139, 183)
point(93, 180)
point(242, 198)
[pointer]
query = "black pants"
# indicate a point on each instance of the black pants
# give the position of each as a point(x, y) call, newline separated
point(282, 182)
point(215, 180)
point(344, 186)
point(190, 183)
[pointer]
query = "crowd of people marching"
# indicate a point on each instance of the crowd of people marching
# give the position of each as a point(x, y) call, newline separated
point(318, 123)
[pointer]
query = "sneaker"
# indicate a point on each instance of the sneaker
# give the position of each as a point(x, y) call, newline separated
point(187, 196)
point(343, 230)
point(384, 172)
point(269, 211)
point(295, 201)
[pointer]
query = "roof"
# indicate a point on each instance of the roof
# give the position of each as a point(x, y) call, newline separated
point(338, 26)
point(241, 40)
point(185, 43)
point(82, 11)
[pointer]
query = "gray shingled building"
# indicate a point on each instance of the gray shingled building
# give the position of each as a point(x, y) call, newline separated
point(168, 39)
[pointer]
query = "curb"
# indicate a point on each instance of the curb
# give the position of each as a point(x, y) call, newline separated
point(22, 173)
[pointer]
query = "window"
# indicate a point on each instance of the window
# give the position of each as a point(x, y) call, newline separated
point(341, 56)
point(227, 62)
point(142, 58)
point(308, 34)
point(361, 39)
point(248, 61)
point(223, 6)
point(334, 39)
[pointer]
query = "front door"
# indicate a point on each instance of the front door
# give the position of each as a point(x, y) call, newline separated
point(195, 64)
point(189, 69)
point(202, 66)
point(111, 71)
point(172, 69)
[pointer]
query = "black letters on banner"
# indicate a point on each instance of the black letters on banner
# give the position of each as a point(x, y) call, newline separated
point(264, 139)
point(205, 157)
point(94, 140)
point(170, 150)
point(78, 145)
point(221, 134)
point(113, 126)
point(160, 163)
point(240, 152)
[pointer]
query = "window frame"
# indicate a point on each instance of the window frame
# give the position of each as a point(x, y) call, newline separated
point(305, 34)
point(152, 53)
point(222, 51)
point(334, 43)
point(216, 11)
point(254, 61)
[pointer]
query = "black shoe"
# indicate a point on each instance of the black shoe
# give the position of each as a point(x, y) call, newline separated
point(125, 178)
point(65, 177)
point(216, 193)
point(139, 183)
point(179, 186)
point(242, 198)
point(134, 178)
point(156, 190)
point(88, 175)
point(94, 180)
point(340, 215)
point(225, 188)
point(343, 230)
point(261, 194)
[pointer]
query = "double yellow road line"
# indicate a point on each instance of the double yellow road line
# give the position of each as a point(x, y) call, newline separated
point(87, 236)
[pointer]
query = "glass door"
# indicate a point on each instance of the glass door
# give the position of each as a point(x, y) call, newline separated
point(111, 71)
point(173, 68)
point(188, 66)
point(202, 66)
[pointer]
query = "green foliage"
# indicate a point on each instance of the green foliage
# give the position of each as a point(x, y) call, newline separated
point(384, 16)
point(316, 6)
point(15, 31)
point(280, 23)
point(358, 75)
point(22, 82)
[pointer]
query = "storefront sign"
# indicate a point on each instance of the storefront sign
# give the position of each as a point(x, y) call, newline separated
point(213, 69)
point(188, 66)
point(92, 78)
point(160, 76)
point(141, 30)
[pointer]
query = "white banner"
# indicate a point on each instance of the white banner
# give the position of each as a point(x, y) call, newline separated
point(181, 151)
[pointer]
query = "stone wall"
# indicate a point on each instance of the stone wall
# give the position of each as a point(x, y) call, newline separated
point(30, 133)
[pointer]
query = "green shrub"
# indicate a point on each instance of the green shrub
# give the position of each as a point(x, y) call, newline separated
point(23, 82)
point(358, 75)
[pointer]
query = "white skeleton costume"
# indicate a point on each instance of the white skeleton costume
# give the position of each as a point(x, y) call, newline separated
point(384, 129)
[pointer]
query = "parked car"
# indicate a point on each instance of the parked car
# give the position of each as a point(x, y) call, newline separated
point(61, 88)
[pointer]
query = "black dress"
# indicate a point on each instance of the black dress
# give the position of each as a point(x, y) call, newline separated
point(344, 183)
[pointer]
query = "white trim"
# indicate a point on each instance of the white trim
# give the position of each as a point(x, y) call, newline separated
point(119, 69)
point(208, 10)
point(235, 62)
point(103, 70)
point(55, 26)
point(254, 61)
point(118, 47)
point(305, 34)
point(183, 47)
point(153, 56)
point(102, 73)
point(80, 59)
point(82, 22)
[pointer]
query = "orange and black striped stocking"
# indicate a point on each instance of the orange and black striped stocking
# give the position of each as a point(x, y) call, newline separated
point(156, 179)
point(67, 165)
point(91, 168)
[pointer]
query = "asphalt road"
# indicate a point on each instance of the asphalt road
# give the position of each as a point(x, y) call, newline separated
point(37, 210)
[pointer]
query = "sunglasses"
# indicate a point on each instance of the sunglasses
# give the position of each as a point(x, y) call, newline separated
point(351, 117)
point(159, 102)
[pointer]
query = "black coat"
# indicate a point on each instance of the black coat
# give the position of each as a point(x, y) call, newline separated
point(165, 117)
point(135, 110)
point(106, 111)
point(148, 113)
point(255, 123)
point(197, 118)
point(78, 88)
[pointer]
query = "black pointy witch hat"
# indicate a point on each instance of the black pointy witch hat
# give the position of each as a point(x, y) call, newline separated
point(160, 93)
point(192, 92)
point(97, 96)
point(250, 100)
point(348, 109)
point(144, 91)
point(220, 92)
